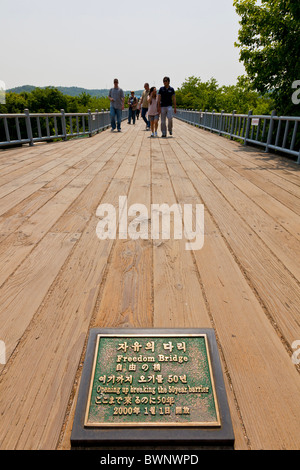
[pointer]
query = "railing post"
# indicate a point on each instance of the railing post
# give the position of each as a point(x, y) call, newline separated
point(101, 121)
point(205, 118)
point(28, 127)
point(97, 120)
point(63, 124)
point(248, 127)
point(221, 122)
point(232, 124)
point(90, 124)
point(271, 127)
point(197, 118)
point(200, 117)
point(105, 123)
point(212, 120)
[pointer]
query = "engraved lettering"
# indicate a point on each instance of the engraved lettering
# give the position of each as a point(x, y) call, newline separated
point(146, 380)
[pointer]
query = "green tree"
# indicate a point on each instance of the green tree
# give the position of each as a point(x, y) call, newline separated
point(269, 42)
point(14, 103)
point(46, 100)
point(195, 94)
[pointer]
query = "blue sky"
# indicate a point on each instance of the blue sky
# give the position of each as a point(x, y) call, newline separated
point(88, 43)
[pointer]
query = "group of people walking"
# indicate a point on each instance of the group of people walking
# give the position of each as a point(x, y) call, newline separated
point(152, 105)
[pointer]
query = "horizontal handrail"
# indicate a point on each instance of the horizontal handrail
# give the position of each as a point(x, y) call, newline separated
point(23, 128)
point(279, 133)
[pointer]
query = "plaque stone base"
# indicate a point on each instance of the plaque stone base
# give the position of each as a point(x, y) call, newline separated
point(152, 388)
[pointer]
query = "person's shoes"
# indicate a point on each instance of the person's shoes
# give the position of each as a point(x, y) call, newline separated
point(155, 134)
point(128, 122)
point(147, 128)
point(152, 135)
point(119, 130)
point(170, 132)
point(112, 130)
point(163, 135)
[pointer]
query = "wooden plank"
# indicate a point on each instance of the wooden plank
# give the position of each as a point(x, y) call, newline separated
point(284, 167)
point(87, 271)
point(80, 211)
point(266, 273)
point(17, 192)
point(60, 328)
point(13, 218)
point(39, 223)
point(281, 189)
point(130, 268)
point(138, 258)
point(246, 329)
point(186, 194)
point(11, 186)
point(178, 299)
point(25, 166)
point(239, 194)
point(25, 290)
point(265, 188)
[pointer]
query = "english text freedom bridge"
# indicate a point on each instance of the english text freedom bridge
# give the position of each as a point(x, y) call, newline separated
point(58, 280)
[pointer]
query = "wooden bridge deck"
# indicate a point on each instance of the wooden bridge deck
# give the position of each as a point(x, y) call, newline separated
point(58, 280)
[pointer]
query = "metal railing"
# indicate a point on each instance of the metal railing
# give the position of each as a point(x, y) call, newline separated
point(27, 128)
point(281, 133)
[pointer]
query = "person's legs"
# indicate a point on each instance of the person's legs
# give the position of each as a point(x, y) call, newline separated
point(163, 121)
point(129, 115)
point(170, 119)
point(151, 119)
point(144, 112)
point(113, 117)
point(119, 117)
point(155, 124)
point(133, 116)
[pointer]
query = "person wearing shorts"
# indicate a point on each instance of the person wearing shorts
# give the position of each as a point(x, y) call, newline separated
point(153, 114)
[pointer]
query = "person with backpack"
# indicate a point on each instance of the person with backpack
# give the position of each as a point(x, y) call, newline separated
point(132, 105)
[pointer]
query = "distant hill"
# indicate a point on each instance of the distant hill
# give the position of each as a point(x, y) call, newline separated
point(70, 91)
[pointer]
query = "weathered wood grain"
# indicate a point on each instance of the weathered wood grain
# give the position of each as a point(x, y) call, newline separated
point(57, 279)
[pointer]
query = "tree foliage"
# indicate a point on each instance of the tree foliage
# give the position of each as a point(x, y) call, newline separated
point(195, 94)
point(269, 42)
point(51, 100)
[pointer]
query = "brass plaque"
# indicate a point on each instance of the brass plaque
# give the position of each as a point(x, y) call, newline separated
point(158, 380)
